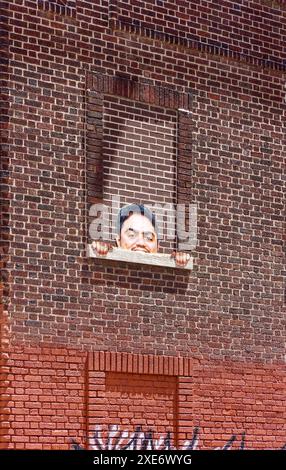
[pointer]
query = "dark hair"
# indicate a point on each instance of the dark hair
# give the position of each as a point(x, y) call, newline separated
point(126, 211)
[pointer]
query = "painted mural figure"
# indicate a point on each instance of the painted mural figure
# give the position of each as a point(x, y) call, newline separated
point(136, 231)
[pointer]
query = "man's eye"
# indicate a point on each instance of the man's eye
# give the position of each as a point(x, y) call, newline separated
point(131, 234)
point(150, 237)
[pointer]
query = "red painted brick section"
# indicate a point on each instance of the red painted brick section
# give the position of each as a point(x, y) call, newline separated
point(230, 398)
point(43, 399)
point(53, 396)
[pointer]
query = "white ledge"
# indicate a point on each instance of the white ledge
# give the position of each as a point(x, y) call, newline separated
point(152, 259)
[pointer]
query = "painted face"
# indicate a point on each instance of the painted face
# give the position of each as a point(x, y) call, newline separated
point(138, 234)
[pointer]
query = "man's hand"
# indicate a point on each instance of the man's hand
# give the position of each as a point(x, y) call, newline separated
point(181, 258)
point(101, 248)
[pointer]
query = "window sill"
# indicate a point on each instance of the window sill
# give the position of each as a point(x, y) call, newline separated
point(152, 259)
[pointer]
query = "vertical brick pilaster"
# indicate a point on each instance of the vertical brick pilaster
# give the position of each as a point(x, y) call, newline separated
point(5, 237)
point(184, 161)
point(184, 169)
point(5, 410)
point(5, 170)
point(185, 408)
point(97, 409)
point(94, 156)
point(94, 162)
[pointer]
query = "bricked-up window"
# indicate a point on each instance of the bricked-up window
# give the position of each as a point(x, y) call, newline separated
point(60, 7)
point(147, 400)
point(131, 390)
point(138, 151)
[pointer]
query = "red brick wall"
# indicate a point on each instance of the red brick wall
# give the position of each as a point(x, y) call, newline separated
point(235, 398)
point(231, 165)
point(43, 398)
point(51, 398)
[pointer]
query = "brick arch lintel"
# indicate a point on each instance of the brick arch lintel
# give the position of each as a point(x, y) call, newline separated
point(153, 94)
point(108, 361)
